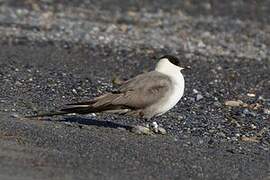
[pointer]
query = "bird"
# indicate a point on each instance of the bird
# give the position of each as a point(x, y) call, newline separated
point(146, 95)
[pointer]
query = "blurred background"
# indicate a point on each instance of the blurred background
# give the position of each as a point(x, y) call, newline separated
point(209, 26)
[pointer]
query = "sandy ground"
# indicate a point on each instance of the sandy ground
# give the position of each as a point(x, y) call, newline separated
point(56, 53)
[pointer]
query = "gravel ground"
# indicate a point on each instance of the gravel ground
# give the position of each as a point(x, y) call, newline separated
point(54, 53)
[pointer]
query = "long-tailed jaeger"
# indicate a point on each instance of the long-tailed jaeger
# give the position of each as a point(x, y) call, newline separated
point(146, 95)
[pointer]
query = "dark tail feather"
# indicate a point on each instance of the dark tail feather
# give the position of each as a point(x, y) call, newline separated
point(78, 109)
point(82, 103)
point(98, 104)
point(47, 114)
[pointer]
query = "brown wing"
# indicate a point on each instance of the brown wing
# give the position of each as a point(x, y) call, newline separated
point(143, 90)
point(142, 80)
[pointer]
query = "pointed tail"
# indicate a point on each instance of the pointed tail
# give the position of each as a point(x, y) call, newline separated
point(99, 104)
point(79, 108)
point(49, 114)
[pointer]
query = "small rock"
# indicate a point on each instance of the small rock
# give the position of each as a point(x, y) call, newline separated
point(217, 104)
point(101, 37)
point(195, 91)
point(251, 95)
point(248, 112)
point(221, 134)
point(180, 117)
point(141, 130)
point(2, 101)
point(201, 44)
point(124, 28)
point(199, 97)
point(266, 111)
point(234, 103)
point(250, 139)
point(161, 130)
point(14, 115)
point(68, 123)
point(155, 125)
point(192, 99)
point(74, 91)
point(253, 126)
point(121, 128)
point(255, 106)
point(18, 83)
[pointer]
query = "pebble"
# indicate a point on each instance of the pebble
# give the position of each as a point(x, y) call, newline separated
point(253, 126)
point(74, 91)
point(201, 44)
point(155, 125)
point(18, 83)
point(141, 130)
point(161, 130)
point(14, 115)
point(221, 134)
point(250, 139)
point(2, 101)
point(121, 128)
point(217, 104)
point(148, 130)
point(251, 95)
point(234, 103)
point(199, 97)
point(68, 123)
point(266, 111)
point(195, 91)
point(248, 112)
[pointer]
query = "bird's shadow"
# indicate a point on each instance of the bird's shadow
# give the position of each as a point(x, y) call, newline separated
point(93, 122)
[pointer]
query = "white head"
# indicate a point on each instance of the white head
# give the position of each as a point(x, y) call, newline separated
point(168, 65)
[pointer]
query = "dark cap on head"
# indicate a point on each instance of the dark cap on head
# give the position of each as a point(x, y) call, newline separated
point(174, 60)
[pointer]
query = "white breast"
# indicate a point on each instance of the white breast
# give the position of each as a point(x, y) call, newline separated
point(177, 91)
point(174, 96)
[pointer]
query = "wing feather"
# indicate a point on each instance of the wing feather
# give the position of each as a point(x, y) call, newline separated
point(143, 90)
